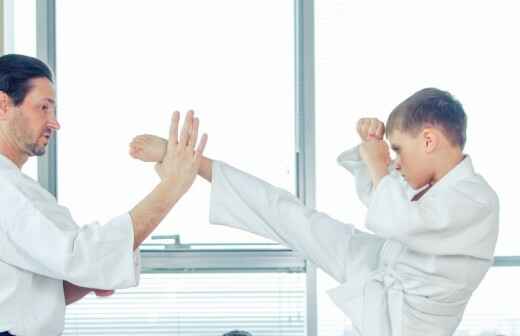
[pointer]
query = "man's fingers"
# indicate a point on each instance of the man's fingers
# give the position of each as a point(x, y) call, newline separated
point(186, 129)
point(103, 292)
point(174, 129)
point(194, 133)
point(201, 146)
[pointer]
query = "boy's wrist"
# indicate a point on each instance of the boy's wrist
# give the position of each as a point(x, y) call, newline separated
point(377, 172)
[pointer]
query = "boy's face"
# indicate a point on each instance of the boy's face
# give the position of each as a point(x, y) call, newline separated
point(411, 158)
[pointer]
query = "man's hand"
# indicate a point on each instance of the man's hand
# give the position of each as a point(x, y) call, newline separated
point(74, 293)
point(177, 171)
point(104, 292)
point(370, 129)
point(182, 161)
point(376, 154)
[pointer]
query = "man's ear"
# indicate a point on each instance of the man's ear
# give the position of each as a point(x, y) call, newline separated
point(4, 105)
point(430, 138)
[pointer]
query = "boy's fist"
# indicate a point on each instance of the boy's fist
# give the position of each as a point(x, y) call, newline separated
point(370, 129)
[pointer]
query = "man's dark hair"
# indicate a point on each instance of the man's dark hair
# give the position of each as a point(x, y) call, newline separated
point(430, 107)
point(16, 73)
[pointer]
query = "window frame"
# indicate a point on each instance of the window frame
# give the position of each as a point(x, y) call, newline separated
point(204, 260)
point(281, 260)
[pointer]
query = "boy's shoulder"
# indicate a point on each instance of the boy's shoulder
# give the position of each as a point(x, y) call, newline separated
point(478, 189)
point(466, 182)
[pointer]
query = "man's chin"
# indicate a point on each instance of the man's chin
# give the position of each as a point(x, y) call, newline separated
point(35, 150)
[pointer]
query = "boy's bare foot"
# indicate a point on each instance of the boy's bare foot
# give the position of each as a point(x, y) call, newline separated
point(148, 148)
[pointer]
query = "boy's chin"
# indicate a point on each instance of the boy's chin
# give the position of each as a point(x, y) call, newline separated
point(419, 186)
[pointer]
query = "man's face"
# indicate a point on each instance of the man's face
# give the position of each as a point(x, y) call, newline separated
point(34, 120)
point(411, 159)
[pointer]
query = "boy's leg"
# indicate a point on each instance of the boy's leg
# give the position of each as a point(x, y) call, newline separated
point(361, 253)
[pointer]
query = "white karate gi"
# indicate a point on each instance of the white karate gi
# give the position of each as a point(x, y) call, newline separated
point(413, 277)
point(41, 245)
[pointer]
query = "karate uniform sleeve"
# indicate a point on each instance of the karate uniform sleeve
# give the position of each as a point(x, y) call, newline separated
point(459, 219)
point(44, 239)
point(351, 160)
point(245, 202)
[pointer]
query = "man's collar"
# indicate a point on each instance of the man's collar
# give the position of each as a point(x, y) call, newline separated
point(6, 163)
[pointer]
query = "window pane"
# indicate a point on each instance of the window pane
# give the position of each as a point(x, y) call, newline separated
point(494, 309)
point(371, 55)
point(24, 23)
point(196, 304)
point(21, 39)
point(369, 60)
point(230, 61)
point(331, 320)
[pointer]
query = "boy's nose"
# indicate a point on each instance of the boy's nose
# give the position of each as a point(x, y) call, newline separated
point(397, 164)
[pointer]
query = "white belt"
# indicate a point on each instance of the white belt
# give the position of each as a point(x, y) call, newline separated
point(381, 306)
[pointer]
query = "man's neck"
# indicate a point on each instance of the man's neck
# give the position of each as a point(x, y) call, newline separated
point(11, 152)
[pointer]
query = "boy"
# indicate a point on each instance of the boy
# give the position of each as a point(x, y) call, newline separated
point(435, 221)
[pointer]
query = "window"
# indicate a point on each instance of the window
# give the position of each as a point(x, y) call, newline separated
point(20, 38)
point(119, 80)
point(123, 75)
point(124, 72)
point(371, 55)
point(196, 304)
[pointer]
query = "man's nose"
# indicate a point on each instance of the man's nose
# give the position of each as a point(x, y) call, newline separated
point(54, 124)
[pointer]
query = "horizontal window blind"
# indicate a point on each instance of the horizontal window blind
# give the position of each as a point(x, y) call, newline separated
point(196, 304)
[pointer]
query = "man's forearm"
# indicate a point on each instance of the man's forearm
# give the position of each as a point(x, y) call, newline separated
point(147, 215)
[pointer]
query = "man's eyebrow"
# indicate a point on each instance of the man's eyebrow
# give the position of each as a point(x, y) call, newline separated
point(50, 100)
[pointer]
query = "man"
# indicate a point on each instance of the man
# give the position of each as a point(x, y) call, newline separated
point(46, 259)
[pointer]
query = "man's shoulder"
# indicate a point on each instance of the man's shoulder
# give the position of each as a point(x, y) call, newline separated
point(21, 188)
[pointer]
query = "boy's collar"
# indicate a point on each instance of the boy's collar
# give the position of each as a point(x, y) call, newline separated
point(461, 171)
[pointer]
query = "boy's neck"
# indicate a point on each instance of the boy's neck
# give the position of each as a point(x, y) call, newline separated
point(448, 160)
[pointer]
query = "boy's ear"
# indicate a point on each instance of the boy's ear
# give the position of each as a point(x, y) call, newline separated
point(430, 139)
point(4, 105)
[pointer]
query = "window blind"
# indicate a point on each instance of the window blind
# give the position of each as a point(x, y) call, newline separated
point(203, 304)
